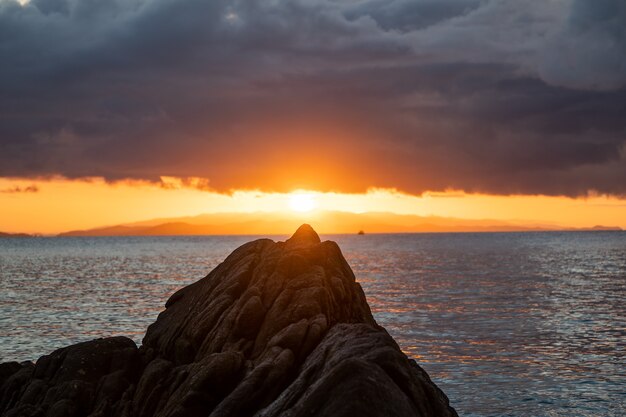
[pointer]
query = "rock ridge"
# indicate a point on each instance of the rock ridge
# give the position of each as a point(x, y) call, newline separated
point(277, 329)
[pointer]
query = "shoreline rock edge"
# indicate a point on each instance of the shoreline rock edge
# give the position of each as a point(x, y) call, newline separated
point(277, 329)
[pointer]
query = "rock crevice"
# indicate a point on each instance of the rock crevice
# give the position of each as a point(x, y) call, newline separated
point(277, 329)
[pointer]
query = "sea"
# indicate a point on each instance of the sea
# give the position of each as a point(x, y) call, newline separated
point(507, 324)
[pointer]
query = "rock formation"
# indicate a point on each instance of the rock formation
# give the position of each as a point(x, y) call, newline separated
point(277, 329)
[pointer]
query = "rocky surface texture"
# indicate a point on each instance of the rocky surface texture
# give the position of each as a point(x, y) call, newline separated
point(277, 329)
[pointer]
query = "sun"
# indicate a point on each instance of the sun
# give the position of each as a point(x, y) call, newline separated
point(302, 202)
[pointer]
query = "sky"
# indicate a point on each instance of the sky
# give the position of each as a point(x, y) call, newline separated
point(518, 101)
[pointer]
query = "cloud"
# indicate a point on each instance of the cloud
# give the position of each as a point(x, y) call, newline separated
point(589, 51)
point(173, 183)
point(410, 15)
point(495, 96)
point(17, 190)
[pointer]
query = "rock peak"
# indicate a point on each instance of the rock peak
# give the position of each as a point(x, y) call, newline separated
point(305, 234)
point(276, 330)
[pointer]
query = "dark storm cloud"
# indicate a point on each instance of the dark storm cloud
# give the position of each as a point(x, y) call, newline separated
point(407, 15)
point(590, 49)
point(492, 96)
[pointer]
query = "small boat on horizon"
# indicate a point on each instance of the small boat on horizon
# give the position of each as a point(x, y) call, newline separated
point(361, 232)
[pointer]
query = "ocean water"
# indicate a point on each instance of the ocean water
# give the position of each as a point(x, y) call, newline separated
point(515, 324)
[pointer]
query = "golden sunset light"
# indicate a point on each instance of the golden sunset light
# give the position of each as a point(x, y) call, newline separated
point(302, 201)
point(60, 205)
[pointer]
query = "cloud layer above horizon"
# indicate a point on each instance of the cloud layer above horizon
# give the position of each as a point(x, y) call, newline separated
point(492, 96)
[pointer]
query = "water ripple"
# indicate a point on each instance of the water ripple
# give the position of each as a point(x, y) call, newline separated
point(517, 324)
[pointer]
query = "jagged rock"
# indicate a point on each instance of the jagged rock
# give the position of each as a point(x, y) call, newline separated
point(277, 329)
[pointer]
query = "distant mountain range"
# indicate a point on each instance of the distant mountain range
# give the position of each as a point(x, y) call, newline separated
point(14, 235)
point(325, 222)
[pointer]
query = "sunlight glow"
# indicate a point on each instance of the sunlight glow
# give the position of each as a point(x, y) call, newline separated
point(302, 202)
point(56, 205)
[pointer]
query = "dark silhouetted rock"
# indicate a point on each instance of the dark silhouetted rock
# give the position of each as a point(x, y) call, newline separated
point(277, 329)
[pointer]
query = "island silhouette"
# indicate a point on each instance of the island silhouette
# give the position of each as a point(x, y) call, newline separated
point(327, 222)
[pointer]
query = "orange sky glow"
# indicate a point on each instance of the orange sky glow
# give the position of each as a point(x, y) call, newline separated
point(57, 205)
